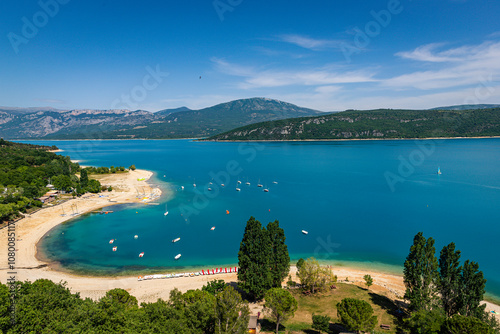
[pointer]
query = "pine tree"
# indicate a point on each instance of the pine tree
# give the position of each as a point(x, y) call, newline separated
point(254, 274)
point(279, 259)
point(472, 284)
point(420, 274)
point(449, 279)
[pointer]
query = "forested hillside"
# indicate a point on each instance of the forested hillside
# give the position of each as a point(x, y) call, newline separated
point(375, 124)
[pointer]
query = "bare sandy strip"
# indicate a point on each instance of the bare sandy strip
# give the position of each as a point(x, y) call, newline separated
point(32, 228)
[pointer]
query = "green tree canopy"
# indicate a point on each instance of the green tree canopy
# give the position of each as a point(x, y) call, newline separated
point(314, 277)
point(368, 280)
point(420, 274)
point(321, 322)
point(254, 273)
point(459, 324)
point(280, 304)
point(231, 312)
point(356, 315)
point(84, 178)
point(472, 284)
point(449, 279)
point(279, 257)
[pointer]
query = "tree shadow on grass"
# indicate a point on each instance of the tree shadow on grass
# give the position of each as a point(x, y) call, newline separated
point(269, 326)
point(390, 307)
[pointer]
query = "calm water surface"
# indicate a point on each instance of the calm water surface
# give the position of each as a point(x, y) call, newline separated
point(360, 201)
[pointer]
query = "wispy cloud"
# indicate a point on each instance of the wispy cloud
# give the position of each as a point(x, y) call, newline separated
point(257, 78)
point(310, 43)
point(466, 65)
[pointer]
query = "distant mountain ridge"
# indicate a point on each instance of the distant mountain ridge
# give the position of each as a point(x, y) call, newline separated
point(50, 123)
point(468, 107)
point(374, 124)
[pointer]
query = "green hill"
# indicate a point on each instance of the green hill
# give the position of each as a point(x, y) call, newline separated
point(374, 124)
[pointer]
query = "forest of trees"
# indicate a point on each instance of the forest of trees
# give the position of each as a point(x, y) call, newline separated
point(47, 307)
point(443, 293)
point(26, 170)
point(370, 124)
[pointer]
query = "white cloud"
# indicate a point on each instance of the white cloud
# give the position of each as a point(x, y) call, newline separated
point(310, 43)
point(466, 65)
point(255, 78)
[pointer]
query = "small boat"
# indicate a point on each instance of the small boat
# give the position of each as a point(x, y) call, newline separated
point(177, 257)
point(247, 183)
point(275, 182)
point(239, 182)
point(209, 189)
point(238, 189)
point(111, 241)
point(194, 185)
point(136, 236)
point(439, 171)
point(212, 228)
point(141, 254)
point(222, 184)
point(115, 248)
point(266, 190)
point(259, 185)
point(305, 232)
point(182, 187)
point(166, 213)
point(227, 212)
point(176, 239)
point(210, 183)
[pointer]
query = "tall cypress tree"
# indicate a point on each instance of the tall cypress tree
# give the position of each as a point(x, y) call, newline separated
point(420, 274)
point(472, 284)
point(254, 273)
point(449, 279)
point(279, 259)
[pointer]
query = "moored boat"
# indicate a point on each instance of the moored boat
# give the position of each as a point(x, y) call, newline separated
point(176, 239)
point(305, 232)
point(177, 257)
point(141, 254)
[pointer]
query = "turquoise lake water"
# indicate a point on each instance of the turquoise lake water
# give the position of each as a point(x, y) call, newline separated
point(361, 202)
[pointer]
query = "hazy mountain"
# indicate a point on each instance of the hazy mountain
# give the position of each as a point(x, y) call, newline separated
point(169, 123)
point(171, 111)
point(468, 107)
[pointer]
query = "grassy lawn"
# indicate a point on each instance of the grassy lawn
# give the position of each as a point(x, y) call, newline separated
point(324, 303)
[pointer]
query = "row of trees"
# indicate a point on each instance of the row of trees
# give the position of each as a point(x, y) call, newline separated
point(46, 307)
point(442, 291)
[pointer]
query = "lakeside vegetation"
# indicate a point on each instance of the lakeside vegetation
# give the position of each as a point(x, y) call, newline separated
point(27, 172)
point(442, 297)
point(374, 124)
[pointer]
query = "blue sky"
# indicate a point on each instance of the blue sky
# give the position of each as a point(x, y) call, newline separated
point(327, 55)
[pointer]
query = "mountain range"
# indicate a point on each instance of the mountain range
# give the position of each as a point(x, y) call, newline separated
point(253, 118)
point(50, 123)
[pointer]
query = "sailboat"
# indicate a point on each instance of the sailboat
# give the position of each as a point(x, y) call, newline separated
point(176, 239)
point(439, 171)
point(259, 185)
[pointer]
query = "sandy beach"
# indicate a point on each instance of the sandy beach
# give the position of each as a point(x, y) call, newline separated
point(32, 228)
